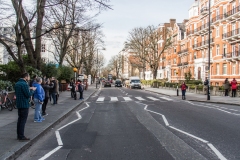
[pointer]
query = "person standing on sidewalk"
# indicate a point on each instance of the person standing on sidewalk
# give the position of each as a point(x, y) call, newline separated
point(71, 84)
point(53, 91)
point(46, 86)
point(23, 94)
point(183, 88)
point(226, 86)
point(206, 86)
point(80, 89)
point(39, 96)
point(234, 87)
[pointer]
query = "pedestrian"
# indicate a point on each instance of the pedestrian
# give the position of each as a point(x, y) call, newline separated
point(80, 89)
point(38, 96)
point(206, 86)
point(57, 90)
point(226, 86)
point(234, 87)
point(33, 80)
point(46, 86)
point(183, 88)
point(71, 84)
point(23, 93)
point(53, 91)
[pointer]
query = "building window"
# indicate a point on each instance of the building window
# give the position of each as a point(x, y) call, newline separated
point(234, 69)
point(217, 31)
point(217, 50)
point(224, 69)
point(174, 61)
point(217, 69)
point(224, 50)
point(174, 72)
point(43, 48)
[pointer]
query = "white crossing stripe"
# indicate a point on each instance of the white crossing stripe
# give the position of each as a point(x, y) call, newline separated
point(166, 98)
point(114, 99)
point(152, 98)
point(127, 98)
point(140, 98)
point(100, 99)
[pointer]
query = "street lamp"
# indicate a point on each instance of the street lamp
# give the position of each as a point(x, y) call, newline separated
point(209, 36)
point(177, 84)
point(75, 74)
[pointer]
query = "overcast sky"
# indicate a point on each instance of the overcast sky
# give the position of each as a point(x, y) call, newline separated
point(128, 14)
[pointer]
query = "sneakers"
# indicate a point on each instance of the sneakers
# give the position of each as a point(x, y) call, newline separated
point(43, 119)
point(44, 114)
point(24, 139)
point(38, 121)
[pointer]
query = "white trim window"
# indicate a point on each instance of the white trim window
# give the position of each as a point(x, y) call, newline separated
point(217, 31)
point(217, 69)
point(234, 69)
point(224, 69)
point(217, 50)
point(43, 48)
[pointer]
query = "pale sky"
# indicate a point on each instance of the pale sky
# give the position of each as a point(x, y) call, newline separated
point(128, 14)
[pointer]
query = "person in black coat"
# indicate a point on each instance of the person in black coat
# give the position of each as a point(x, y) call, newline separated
point(46, 86)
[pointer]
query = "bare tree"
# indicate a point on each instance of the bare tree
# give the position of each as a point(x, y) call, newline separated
point(148, 44)
point(116, 64)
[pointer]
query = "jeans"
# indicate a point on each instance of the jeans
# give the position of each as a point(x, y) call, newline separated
point(81, 95)
point(54, 98)
point(183, 92)
point(233, 92)
point(22, 118)
point(44, 105)
point(38, 108)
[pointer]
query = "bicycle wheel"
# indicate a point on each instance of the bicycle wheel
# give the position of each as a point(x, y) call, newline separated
point(14, 104)
point(9, 104)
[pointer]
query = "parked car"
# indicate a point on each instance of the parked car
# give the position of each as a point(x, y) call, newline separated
point(135, 82)
point(107, 84)
point(118, 83)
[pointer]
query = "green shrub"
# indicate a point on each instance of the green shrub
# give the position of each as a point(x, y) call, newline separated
point(5, 84)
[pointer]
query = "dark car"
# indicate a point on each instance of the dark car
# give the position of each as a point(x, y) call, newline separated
point(118, 83)
point(107, 84)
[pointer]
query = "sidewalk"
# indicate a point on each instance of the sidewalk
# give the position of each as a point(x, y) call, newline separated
point(10, 147)
point(197, 97)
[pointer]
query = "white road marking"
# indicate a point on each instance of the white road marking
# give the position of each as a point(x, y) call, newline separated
point(220, 156)
point(114, 99)
point(126, 93)
point(127, 99)
point(200, 139)
point(140, 98)
point(217, 108)
point(58, 136)
point(59, 140)
point(152, 98)
point(50, 153)
point(100, 99)
point(168, 99)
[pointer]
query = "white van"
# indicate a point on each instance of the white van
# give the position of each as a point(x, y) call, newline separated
point(135, 82)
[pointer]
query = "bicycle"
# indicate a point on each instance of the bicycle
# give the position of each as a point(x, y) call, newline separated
point(31, 102)
point(7, 103)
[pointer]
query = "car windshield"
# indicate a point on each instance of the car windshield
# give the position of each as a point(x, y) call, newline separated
point(135, 81)
point(118, 82)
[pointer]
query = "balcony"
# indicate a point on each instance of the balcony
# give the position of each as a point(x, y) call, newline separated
point(217, 19)
point(232, 36)
point(232, 14)
point(183, 64)
point(190, 32)
point(204, 11)
point(202, 29)
point(232, 56)
point(203, 44)
point(183, 52)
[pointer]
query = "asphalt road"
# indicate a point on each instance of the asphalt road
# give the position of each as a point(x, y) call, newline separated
point(119, 123)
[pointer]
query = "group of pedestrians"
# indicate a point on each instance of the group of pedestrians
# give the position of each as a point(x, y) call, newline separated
point(40, 90)
point(230, 86)
point(77, 87)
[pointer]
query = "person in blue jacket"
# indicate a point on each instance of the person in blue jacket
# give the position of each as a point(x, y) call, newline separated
point(39, 96)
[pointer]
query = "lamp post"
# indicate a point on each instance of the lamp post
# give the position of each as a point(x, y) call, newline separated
point(97, 77)
point(75, 74)
point(209, 36)
point(177, 84)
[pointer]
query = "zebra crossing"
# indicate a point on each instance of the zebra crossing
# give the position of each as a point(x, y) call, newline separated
point(115, 99)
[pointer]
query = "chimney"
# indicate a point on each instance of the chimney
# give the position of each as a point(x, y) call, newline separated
point(172, 22)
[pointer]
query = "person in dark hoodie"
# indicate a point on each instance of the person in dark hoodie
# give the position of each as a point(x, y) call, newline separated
point(53, 91)
point(46, 86)
point(39, 96)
